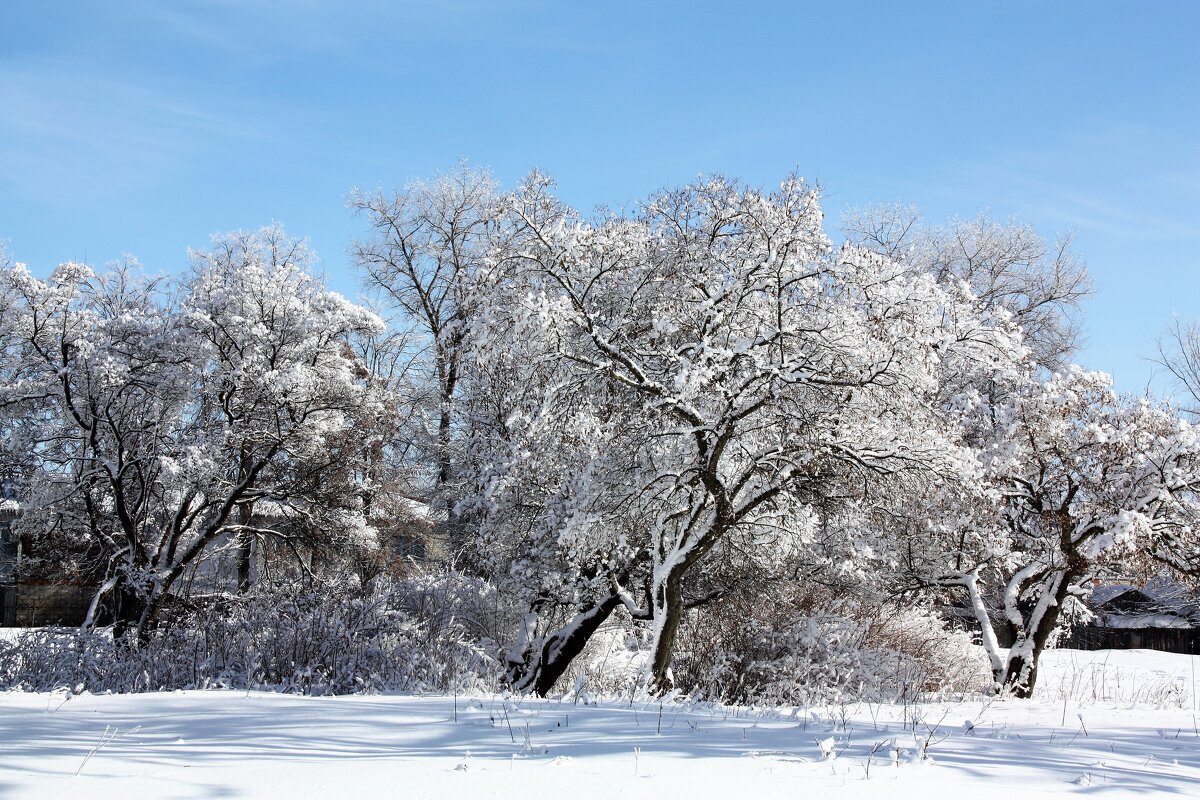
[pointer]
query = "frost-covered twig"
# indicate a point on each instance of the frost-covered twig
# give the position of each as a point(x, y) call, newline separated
point(110, 734)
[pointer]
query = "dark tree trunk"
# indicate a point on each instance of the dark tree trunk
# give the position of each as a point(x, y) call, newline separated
point(548, 662)
point(131, 612)
point(245, 561)
point(449, 378)
point(245, 543)
point(669, 604)
point(1020, 676)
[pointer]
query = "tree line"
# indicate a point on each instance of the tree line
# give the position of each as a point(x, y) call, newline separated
point(638, 415)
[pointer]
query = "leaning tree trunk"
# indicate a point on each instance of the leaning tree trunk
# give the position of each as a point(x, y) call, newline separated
point(987, 635)
point(546, 660)
point(138, 610)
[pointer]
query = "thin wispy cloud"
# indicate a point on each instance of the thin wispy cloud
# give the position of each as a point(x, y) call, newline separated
point(255, 29)
point(1135, 197)
point(92, 136)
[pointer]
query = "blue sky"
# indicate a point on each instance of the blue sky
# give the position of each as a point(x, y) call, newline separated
point(144, 127)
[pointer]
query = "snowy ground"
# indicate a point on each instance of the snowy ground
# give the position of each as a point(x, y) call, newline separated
point(1109, 723)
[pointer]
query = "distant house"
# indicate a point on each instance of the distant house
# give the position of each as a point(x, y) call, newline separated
point(1161, 615)
point(414, 531)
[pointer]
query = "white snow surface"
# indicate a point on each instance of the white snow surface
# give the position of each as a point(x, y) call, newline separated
point(1120, 723)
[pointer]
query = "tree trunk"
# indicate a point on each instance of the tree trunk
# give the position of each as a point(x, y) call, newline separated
point(1020, 676)
point(447, 370)
point(245, 561)
point(136, 611)
point(557, 650)
point(130, 614)
point(987, 635)
point(668, 613)
point(245, 542)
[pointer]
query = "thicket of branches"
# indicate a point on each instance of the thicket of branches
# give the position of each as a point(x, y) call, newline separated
point(697, 444)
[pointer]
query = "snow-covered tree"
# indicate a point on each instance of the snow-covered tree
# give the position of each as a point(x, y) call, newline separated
point(426, 242)
point(166, 414)
point(1077, 483)
point(18, 408)
point(1042, 284)
point(719, 366)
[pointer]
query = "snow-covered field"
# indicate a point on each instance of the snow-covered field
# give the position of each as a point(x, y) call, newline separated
point(1112, 723)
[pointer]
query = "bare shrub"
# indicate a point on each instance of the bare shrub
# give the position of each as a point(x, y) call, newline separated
point(305, 641)
point(806, 648)
point(947, 660)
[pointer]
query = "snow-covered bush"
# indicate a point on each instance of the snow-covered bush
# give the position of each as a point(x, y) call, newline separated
point(812, 648)
point(942, 659)
point(806, 660)
point(451, 601)
point(301, 641)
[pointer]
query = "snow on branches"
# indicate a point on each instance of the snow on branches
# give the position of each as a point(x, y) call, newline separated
point(161, 412)
point(1078, 484)
point(721, 366)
